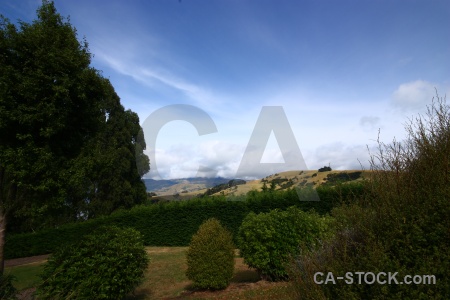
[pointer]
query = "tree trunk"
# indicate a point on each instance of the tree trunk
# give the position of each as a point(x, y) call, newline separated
point(8, 191)
point(2, 219)
point(2, 239)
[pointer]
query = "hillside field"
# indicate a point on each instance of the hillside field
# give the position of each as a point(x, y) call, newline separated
point(187, 189)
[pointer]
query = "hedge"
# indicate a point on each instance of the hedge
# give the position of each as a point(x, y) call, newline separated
point(174, 223)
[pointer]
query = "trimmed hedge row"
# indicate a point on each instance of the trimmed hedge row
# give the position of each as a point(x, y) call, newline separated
point(174, 223)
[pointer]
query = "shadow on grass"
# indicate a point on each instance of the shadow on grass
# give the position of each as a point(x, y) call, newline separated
point(140, 295)
point(240, 276)
point(243, 276)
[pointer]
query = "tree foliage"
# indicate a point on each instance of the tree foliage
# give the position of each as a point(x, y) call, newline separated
point(325, 169)
point(68, 149)
point(65, 135)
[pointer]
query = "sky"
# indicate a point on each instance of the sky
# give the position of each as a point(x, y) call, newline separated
point(250, 87)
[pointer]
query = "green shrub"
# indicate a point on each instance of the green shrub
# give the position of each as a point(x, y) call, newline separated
point(210, 257)
point(7, 290)
point(400, 225)
point(267, 240)
point(106, 264)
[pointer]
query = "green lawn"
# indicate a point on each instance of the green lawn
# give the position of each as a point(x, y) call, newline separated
point(165, 279)
point(26, 276)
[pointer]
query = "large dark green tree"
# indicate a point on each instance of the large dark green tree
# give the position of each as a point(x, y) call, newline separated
point(68, 149)
point(111, 165)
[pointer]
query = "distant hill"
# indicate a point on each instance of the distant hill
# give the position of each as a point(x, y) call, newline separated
point(289, 179)
point(183, 185)
point(191, 187)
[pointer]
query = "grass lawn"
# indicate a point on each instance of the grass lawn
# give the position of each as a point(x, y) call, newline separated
point(165, 279)
point(27, 276)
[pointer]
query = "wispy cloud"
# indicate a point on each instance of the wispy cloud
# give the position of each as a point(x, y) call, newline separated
point(368, 123)
point(147, 75)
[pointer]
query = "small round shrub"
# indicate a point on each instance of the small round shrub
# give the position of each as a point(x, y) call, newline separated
point(107, 264)
point(268, 240)
point(210, 256)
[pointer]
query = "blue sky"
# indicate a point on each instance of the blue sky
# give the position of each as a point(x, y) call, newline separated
point(341, 70)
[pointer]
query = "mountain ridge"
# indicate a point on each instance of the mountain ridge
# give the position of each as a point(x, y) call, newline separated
point(182, 185)
point(198, 186)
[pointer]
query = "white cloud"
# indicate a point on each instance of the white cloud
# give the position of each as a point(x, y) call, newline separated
point(220, 159)
point(413, 95)
point(174, 162)
point(272, 152)
point(208, 159)
point(340, 156)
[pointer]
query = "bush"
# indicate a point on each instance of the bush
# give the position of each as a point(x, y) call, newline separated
point(401, 224)
point(107, 264)
point(325, 169)
point(267, 240)
point(210, 256)
point(7, 290)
